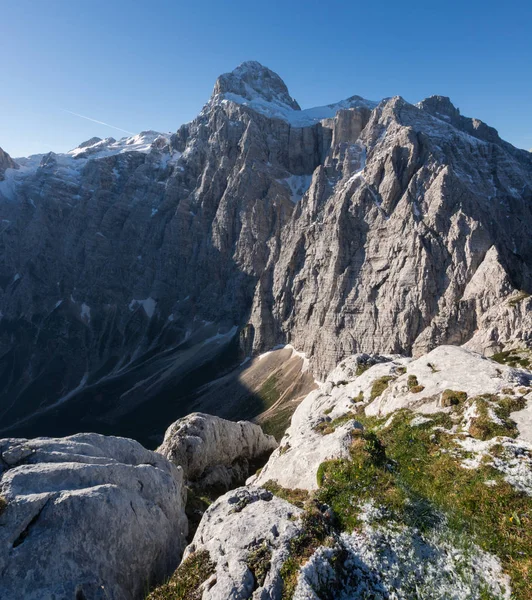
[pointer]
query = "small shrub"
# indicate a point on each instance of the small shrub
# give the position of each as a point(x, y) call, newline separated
point(413, 385)
point(359, 398)
point(259, 562)
point(513, 302)
point(361, 368)
point(328, 411)
point(284, 449)
point(197, 504)
point(379, 385)
point(507, 390)
point(186, 581)
point(324, 427)
point(400, 370)
point(507, 405)
point(452, 398)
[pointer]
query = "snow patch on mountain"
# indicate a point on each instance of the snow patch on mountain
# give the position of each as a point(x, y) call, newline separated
point(296, 118)
point(142, 142)
point(298, 185)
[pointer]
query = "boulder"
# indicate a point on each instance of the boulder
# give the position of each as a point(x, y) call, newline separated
point(246, 533)
point(214, 451)
point(87, 517)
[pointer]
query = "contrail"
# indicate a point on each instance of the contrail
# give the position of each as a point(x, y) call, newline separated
point(99, 122)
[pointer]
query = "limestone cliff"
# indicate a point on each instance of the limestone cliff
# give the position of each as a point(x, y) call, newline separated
point(128, 268)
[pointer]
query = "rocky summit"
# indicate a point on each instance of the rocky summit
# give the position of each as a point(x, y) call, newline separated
point(333, 302)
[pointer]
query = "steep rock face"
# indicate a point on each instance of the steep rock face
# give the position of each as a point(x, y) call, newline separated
point(6, 162)
point(213, 451)
point(381, 254)
point(87, 517)
point(127, 267)
point(134, 267)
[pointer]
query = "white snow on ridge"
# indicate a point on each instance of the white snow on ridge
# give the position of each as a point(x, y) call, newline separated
point(296, 118)
point(68, 166)
point(141, 142)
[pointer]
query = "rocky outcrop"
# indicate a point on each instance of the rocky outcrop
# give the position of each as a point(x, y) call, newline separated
point(87, 517)
point(251, 81)
point(247, 534)
point(214, 452)
point(392, 384)
point(6, 162)
point(412, 450)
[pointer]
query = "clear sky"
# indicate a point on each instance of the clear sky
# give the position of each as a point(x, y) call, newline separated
point(138, 64)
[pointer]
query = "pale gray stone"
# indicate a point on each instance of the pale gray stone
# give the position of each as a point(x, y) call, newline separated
point(214, 451)
point(87, 517)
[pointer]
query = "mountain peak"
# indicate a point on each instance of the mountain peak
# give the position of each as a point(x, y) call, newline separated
point(253, 81)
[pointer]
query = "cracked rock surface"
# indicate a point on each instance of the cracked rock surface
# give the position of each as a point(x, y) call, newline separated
point(87, 517)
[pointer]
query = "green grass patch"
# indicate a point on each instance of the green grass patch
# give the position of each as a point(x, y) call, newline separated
point(414, 475)
point(185, 582)
point(362, 368)
point(278, 423)
point(379, 385)
point(517, 358)
point(325, 427)
point(295, 496)
point(359, 397)
point(268, 392)
point(315, 533)
point(483, 427)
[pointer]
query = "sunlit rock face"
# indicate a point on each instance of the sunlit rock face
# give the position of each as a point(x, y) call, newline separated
point(128, 268)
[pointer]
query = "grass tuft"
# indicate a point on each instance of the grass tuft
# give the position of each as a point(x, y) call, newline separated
point(259, 562)
point(379, 385)
point(513, 302)
point(453, 398)
point(186, 581)
point(413, 385)
point(296, 497)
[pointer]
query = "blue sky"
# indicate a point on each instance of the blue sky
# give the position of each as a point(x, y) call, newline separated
point(152, 65)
